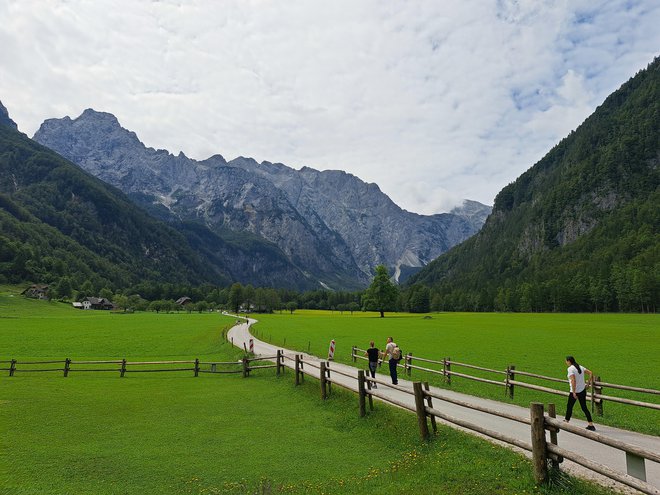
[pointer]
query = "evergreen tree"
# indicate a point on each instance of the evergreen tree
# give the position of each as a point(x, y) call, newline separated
point(382, 293)
point(235, 297)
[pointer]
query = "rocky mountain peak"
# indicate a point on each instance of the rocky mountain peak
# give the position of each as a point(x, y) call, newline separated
point(474, 212)
point(91, 127)
point(330, 224)
point(4, 118)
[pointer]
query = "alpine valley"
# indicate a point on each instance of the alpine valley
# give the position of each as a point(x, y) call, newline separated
point(326, 229)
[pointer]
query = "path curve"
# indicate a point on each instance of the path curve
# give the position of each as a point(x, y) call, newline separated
point(608, 456)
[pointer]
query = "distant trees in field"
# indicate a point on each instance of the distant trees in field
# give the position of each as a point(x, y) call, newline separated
point(622, 288)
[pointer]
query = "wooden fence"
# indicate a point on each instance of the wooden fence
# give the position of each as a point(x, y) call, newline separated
point(543, 452)
point(123, 366)
point(510, 380)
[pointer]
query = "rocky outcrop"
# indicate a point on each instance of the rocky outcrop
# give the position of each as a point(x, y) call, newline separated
point(4, 118)
point(329, 224)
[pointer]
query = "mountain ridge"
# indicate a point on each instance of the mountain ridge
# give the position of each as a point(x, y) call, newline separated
point(4, 118)
point(330, 224)
point(578, 231)
point(58, 221)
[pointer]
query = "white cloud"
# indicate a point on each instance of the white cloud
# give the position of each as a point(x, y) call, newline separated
point(433, 101)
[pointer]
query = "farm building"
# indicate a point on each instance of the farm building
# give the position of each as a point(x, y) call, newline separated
point(36, 291)
point(182, 301)
point(95, 303)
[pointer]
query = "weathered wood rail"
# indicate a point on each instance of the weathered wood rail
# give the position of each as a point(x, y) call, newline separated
point(510, 381)
point(543, 452)
point(123, 366)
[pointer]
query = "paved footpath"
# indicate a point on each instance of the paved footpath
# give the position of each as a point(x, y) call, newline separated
point(603, 454)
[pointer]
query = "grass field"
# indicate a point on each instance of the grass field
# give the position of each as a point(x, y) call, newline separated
point(173, 433)
point(621, 348)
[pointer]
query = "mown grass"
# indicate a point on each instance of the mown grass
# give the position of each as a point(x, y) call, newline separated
point(172, 433)
point(621, 348)
point(32, 328)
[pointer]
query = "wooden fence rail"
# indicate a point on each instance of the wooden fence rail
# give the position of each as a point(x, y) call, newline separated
point(510, 382)
point(324, 371)
point(539, 422)
point(122, 366)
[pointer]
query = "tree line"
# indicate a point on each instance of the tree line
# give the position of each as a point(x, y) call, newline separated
point(628, 290)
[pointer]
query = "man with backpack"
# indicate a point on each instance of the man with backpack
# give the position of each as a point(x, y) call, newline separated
point(394, 352)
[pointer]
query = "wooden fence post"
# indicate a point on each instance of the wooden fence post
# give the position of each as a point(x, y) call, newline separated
point(362, 394)
point(420, 408)
point(429, 402)
point(553, 433)
point(279, 361)
point(12, 367)
point(369, 387)
point(323, 378)
point(67, 364)
point(447, 370)
point(408, 363)
point(510, 375)
point(246, 367)
point(597, 389)
point(196, 366)
point(327, 374)
point(297, 369)
point(123, 368)
point(353, 354)
point(539, 449)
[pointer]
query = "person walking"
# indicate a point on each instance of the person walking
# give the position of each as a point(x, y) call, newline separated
point(391, 349)
point(373, 353)
point(578, 390)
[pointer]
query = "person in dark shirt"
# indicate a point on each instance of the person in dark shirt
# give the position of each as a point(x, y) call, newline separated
point(373, 353)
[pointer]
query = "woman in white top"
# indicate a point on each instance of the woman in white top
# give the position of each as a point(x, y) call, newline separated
point(578, 390)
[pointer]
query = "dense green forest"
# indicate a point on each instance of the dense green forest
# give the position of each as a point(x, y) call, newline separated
point(57, 222)
point(579, 230)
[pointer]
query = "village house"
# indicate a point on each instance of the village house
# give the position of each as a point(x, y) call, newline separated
point(94, 303)
point(182, 301)
point(36, 291)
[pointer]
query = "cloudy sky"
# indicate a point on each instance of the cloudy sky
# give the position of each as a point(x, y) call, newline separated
point(434, 101)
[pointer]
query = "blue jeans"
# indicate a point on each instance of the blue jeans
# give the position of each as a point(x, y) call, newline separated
point(372, 368)
point(393, 363)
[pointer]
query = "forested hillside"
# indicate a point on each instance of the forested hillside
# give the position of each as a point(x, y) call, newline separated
point(579, 231)
point(60, 225)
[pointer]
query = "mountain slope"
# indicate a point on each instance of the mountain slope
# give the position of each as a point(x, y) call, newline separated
point(330, 224)
point(56, 220)
point(578, 230)
point(4, 118)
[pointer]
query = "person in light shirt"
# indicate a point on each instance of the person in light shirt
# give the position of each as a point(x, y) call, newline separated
point(394, 361)
point(578, 390)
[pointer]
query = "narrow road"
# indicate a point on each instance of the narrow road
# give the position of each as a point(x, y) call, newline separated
point(603, 454)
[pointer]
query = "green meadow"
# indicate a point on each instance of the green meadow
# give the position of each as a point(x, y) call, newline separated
point(172, 433)
point(621, 348)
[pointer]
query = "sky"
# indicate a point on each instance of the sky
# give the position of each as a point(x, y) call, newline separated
point(434, 101)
